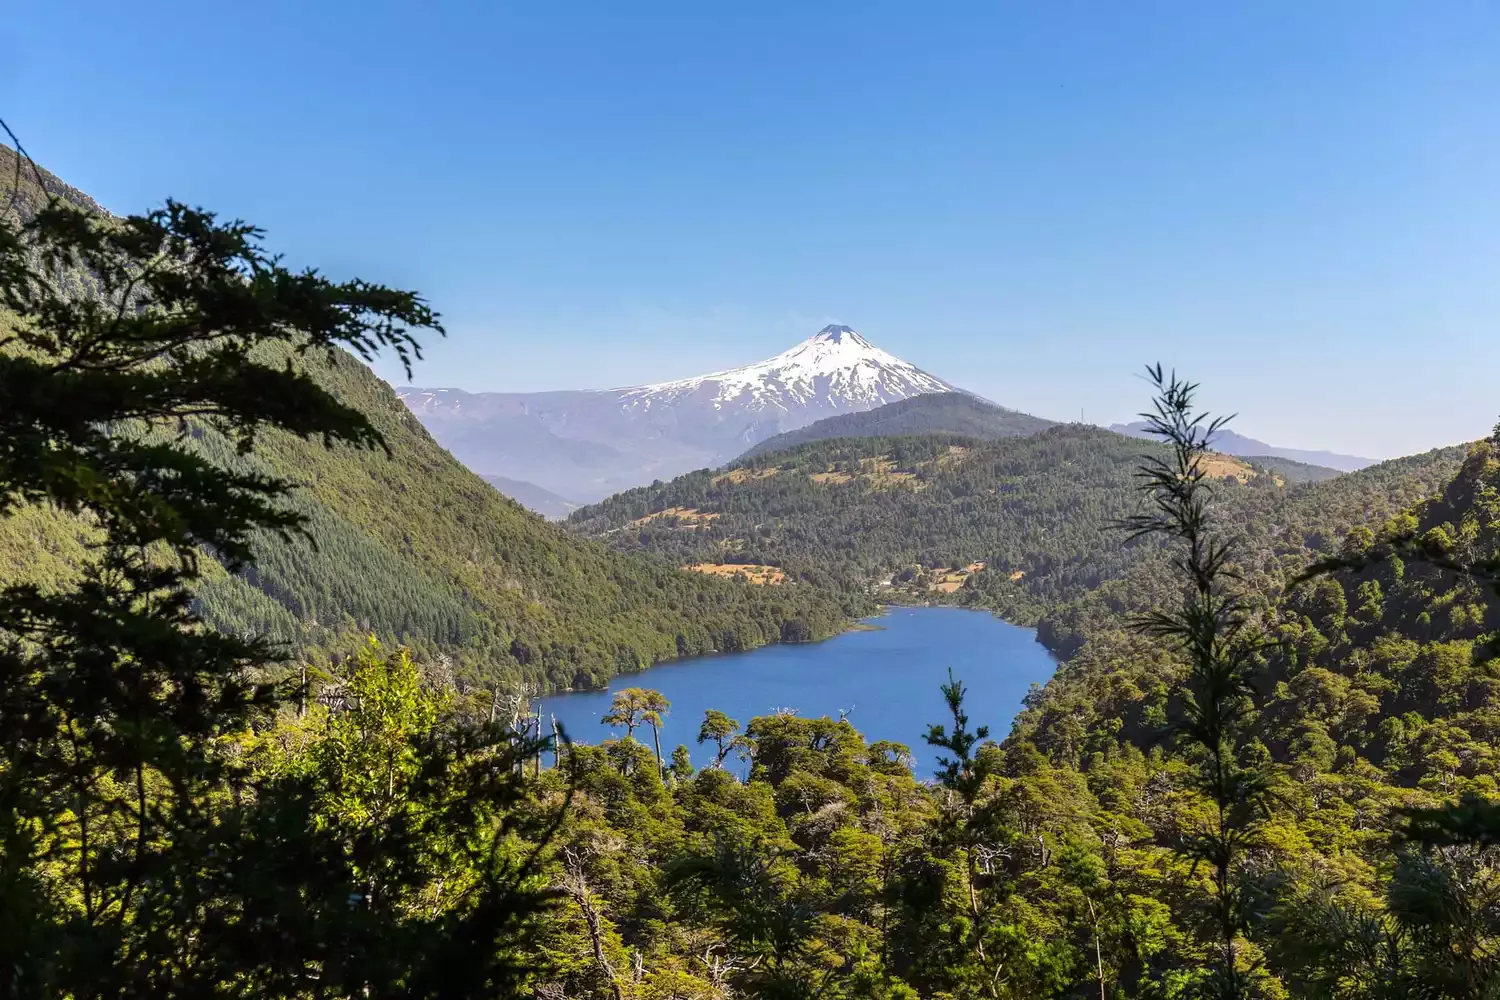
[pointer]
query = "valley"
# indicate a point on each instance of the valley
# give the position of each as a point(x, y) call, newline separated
point(816, 678)
point(884, 678)
point(910, 518)
point(406, 544)
point(586, 445)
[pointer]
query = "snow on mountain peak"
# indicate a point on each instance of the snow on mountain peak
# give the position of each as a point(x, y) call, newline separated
point(588, 443)
point(835, 334)
point(834, 369)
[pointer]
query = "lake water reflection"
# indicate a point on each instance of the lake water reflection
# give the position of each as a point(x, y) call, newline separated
point(887, 678)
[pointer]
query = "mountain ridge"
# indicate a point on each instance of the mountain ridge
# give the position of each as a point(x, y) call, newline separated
point(533, 497)
point(412, 546)
point(958, 412)
point(1020, 525)
point(835, 352)
point(1230, 442)
point(587, 444)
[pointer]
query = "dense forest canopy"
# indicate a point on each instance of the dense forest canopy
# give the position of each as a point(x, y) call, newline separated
point(1074, 858)
point(409, 545)
point(956, 413)
point(147, 846)
point(1265, 770)
point(1022, 525)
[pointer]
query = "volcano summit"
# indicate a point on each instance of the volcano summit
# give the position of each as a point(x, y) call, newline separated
point(587, 444)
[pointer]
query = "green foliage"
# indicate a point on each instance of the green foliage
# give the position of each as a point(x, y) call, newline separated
point(962, 772)
point(955, 413)
point(421, 831)
point(1372, 693)
point(632, 707)
point(887, 518)
point(1209, 630)
point(140, 853)
point(722, 730)
point(400, 540)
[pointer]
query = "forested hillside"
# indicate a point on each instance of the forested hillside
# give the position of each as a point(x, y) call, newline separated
point(411, 546)
point(1020, 525)
point(1068, 861)
point(931, 413)
point(1061, 862)
point(414, 546)
point(1267, 769)
point(1293, 471)
point(1375, 696)
point(408, 544)
point(1389, 645)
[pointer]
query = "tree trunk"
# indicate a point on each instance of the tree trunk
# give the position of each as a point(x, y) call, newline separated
point(576, 885)
point(1098, 952)
point(656, 739)
point(537, 764)
point(556, 746)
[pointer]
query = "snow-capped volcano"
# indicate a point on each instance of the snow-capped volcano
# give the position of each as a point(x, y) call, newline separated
point(835, 368)
point(586, 444)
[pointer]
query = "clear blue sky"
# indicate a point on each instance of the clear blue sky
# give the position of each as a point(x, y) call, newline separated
point(1296, 203)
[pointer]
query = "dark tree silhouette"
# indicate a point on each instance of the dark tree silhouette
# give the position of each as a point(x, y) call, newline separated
point(134, 858)
point(1210, 630)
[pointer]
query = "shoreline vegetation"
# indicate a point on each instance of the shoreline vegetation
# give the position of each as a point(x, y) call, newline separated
point(862, 624)
point(875, 680)
point(1265, 770)
point(865, 624)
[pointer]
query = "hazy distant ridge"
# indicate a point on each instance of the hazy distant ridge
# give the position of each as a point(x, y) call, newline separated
point(1230, 443)
point(544, 502)
point(588, 444)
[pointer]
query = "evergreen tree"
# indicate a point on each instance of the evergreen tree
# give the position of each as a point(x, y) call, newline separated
point(722, 731)
point(1209, 629)
point(123, 803)
point(654, 710)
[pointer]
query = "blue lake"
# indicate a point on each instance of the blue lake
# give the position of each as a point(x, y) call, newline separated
point(887, 678)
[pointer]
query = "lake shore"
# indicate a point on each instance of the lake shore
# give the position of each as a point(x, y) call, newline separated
point(885, 678)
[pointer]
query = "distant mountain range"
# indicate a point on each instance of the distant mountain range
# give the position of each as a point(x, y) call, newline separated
point(931, 413)
point(1292, 471)
point(1230, 443)
point(588, 444)
point(406, 544)
point(1019, 523)
point(966, 415)
point(544, 502)
point(555, 450)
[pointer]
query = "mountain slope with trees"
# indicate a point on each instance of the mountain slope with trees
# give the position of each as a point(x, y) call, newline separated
point(1233, 443)
point(1254, 778)
point(408, 544)
point(934, 413)
point(1293, 471)
point(414, 546)
point(1019, 525)
point(1077, 858)
point(148, 846)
